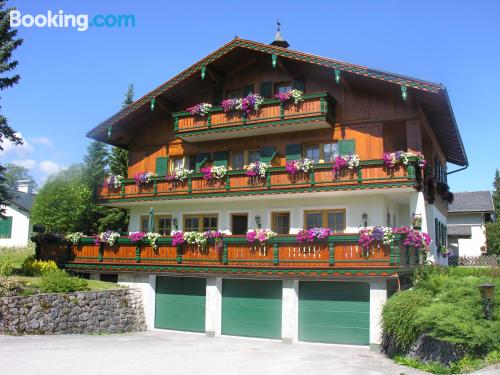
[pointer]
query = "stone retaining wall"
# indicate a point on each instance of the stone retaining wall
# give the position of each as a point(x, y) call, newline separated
point(107, 311)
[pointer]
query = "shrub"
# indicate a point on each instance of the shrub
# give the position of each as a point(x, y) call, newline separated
point(399, 316)
point(10, 286)
point(7, 267)
point(33, 267)
point(58, 281)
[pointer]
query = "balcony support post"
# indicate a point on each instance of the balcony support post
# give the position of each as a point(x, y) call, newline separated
point(224, 254)
point(100, 255)
point(176, 123)
point(228, 182)
point(155, 187)
point(331, 253)
point(276, 253)
point(360, 174)
point(179, 254)
point(190, 184)
point(282, 111)
point(138, 253)
point(268, 180)
point(209, 120)
point(312, 177)
point(123, 189)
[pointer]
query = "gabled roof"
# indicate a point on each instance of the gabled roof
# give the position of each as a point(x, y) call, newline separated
point(455, 155)
point(472, 201)
point(21, 199)
point(456, 230)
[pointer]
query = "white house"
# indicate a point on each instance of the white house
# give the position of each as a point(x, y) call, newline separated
point(468, 215)
point(15, 225)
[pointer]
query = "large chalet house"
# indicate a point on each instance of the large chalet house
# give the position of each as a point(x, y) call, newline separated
point(286, 161)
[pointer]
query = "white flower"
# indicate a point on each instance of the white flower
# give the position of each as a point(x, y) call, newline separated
point(152, 237)
point(74, 238)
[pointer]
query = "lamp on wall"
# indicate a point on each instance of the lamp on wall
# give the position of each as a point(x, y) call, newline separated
point(365, 219)
point(257, 221)
point(174, 221)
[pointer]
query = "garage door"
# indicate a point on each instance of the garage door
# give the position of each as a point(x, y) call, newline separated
point(334, 312)
point(180, 303)
point(251, 308)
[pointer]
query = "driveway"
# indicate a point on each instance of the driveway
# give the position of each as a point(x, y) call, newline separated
point(164, 352)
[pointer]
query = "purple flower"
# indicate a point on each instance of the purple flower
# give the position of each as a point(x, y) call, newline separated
point(377, 234)
point(136, 236)
point(178, 238)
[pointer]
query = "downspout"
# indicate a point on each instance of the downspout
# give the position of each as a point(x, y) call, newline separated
point(459, 169)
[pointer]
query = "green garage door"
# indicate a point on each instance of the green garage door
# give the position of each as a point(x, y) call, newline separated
point(251, 308)
point(180, 303)
point(334, 312)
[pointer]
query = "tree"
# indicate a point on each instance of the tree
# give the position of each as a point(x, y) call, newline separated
point(496, 194)
point(493, 229)
point(65, 202)
point(118, 160)
point(13, 173)
point(8, 43)
point(96, 163)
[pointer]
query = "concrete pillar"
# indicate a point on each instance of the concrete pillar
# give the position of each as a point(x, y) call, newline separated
point(213, 306)
point(290, 312)
point(378, 296)
point(147, 285)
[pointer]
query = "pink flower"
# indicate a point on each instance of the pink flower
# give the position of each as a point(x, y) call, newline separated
point(178, 238)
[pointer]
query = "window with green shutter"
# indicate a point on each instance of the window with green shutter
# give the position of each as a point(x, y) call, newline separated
point(201, 159)
point(436, 232)
point(266, 89)
point(267, 154)
point(299, 84)
point(220, 158)
point(293, 152)
point(5, 227)
point(161, 165)
point(347, 146)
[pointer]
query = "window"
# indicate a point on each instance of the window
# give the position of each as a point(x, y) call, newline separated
point(192, 162)
point(333, 219)
point(239, 223)
point(281, 222)
point(144, 223)
point(238, 160)
point(233, 94)
point(282, 87)
point(176, 163)
point(253, 156)
point(312, 152)
point(163, 225)
point(200, 223)
point(6, 227)
point(330, 150)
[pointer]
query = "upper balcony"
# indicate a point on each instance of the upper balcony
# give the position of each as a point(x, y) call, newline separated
point(315, 112)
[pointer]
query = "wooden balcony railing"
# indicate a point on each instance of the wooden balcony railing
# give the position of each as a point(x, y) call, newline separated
point(371, 173)
point(283, 251)
point(315, 107)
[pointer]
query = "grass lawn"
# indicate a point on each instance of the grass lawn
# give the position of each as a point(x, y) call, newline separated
point(34, 282)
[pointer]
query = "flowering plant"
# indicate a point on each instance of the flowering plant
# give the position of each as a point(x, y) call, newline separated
point(74, 238)
point(152, 238)
point(136, 236)
point(108, 237)
point(230, 105)
point(214, 172)
point(343, 162)
point(249, 103)
point(445, 252)
point(195, 238)
point(216, 236)
point(295, 166)
point(295, 95)
point(414, 238)
point(392, 159)
point(178, 238)
point(143, 178)
point(113, 181)
point(261, 235)
point(256, 169)
point(309, 235)
point(180, 174)
point(201, 109)
point(377, 234)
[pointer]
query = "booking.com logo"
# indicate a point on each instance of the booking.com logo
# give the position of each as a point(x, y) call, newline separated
point(79, 21)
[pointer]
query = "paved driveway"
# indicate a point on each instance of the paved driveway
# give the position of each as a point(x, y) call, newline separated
point(162, 352)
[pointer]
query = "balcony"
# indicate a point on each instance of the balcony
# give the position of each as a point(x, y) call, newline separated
point(315, 112)
point(340, 254)
point(370, 174)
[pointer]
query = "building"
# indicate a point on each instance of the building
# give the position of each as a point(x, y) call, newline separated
point(15, 228)
point(468, 214)
point(329, 290)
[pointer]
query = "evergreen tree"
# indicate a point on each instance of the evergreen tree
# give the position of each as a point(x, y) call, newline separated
point(118, 160)
point(96, 163)
point(8, 43)
point(496, 194)
point(493, 228)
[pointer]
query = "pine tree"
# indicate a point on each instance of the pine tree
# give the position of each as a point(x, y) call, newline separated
point(8, 43)
point(96, 162)
point(118, 160)
point(496, 194)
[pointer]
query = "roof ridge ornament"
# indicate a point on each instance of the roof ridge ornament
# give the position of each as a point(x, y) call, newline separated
point(278, 39)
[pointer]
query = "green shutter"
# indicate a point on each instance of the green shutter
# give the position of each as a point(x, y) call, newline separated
point(217, 96)
point(293, 152)
point(161, 165)
point(266, 89)
point(247, 89)
point(299, 84)
point(220, 158)
point(436, 232)
point(201, 159)
point(347, 146)
point(5, 227)
point(267, 154)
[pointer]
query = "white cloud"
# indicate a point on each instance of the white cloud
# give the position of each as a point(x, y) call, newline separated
point(49, 167)
point(20, 150)
point(44, 141)
point(28, 163)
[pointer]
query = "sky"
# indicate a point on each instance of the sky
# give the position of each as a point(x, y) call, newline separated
point(72, 80)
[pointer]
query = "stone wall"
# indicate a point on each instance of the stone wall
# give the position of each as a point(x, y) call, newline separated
point(108, 311)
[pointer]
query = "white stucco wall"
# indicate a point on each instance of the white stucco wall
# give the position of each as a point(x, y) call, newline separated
point(432, 212)
point(470, 247)
point(20, 227)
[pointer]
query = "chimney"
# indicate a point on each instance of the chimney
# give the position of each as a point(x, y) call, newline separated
point(278, 39)
point(26, 186)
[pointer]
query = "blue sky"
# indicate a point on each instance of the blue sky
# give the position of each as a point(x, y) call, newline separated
point(73, 80)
